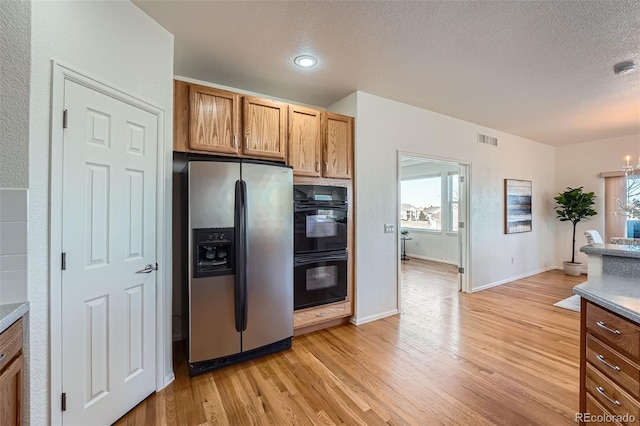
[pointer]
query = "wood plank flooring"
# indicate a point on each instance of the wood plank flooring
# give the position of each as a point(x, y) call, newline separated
point(503, 356)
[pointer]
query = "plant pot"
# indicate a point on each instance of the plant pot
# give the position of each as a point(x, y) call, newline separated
point(572, 268)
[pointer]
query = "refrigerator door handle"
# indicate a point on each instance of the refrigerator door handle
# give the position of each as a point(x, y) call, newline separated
point(245, 255)
point(239, 231)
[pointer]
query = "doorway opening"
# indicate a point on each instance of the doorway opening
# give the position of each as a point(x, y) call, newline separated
point(433, 222)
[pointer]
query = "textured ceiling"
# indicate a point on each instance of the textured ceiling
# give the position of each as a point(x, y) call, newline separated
point(538, 69)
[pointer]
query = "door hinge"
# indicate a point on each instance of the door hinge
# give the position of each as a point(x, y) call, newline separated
point(63, 401)
point(64, 261)
point(461, 178)
point(64, 119)
point(460, 270)
point(460, 224)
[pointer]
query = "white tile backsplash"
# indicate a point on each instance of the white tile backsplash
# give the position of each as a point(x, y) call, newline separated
point(14, 226)
point(13, 262)
point(13, 286)
point(13, 238)
point(13, 205)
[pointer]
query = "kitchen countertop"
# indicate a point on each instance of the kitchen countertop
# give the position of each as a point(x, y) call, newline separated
point(617, 294)
point(619, 250)
point(11, 312)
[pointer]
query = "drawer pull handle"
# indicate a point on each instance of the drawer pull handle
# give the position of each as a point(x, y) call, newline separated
point(607, 363)
point(601, 391)
point(322, 314)
point(2, 357)
point(604, 326)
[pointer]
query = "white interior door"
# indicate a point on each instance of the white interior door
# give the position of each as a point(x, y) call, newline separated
point(108, 236)
point(463, 228)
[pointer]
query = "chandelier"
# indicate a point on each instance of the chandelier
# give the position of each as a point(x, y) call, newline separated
point(628, 168)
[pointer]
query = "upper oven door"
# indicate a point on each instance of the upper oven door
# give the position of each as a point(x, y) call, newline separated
point(319, 228)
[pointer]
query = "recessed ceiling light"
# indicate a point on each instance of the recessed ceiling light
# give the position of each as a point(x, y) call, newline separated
point(624, 67)
point(305, 61)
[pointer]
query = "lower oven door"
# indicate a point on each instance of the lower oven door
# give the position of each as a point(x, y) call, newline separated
point(319, 229)
point(320, 278)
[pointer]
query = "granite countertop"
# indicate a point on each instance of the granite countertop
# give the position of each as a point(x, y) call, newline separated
point(11, 312)
point(617, 294)
point(619, 250)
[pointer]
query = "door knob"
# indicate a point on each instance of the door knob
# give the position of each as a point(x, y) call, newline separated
point(148, 269)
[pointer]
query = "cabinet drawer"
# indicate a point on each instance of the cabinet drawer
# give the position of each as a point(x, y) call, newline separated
point(624, 335)
point(597, 411)
point(617, 367)
point(611, 397)
point(321, 314)
point(10, 343)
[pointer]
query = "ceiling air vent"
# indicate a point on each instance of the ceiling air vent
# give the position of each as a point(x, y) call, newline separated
point(487, 140)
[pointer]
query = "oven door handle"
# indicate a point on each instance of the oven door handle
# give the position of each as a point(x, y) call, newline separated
point(300, 261)
point(299, 208)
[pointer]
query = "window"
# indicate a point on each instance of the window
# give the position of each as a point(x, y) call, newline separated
point(453, 185)
point(621, 189)
point(421, 203)
point(633, 196)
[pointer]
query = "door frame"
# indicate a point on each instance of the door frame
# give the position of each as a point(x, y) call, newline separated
point(163, 297)
point(464, 234)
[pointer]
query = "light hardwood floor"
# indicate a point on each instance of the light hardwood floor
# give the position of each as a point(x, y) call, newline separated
point(502, 356)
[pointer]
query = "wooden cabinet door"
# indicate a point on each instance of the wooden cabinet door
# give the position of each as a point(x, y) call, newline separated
point(213, 120)
point(337, 146)
point(304, 141)
point(265, 128)
point(11, 393)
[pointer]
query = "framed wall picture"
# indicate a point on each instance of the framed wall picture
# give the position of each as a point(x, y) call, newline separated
point(517, 206)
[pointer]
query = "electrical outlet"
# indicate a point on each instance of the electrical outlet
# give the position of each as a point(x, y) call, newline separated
point(417, 243)
point(388, 228)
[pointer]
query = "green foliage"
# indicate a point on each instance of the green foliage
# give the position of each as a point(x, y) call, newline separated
point(574, 205)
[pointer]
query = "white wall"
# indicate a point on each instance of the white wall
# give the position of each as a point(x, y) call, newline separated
point(580, 165)
point(15, 49)
point(433, 245)
point(116, 43)
point(382, 128)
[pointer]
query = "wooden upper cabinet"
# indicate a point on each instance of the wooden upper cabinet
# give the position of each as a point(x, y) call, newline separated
point(265, 128)
point(305, 140)
point(337, 145)
point(213, 120)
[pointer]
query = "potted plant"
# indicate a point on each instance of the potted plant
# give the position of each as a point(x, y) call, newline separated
point(574, 205)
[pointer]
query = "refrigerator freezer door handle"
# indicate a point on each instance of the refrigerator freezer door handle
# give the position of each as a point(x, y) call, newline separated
point(238, 289)
point(245, 255)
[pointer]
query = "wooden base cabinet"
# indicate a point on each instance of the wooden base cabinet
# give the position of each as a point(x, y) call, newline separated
point(609, 367)
point(320, 314)
point(11, 375)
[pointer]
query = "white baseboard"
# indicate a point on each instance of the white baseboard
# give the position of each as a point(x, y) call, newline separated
point(508, 280)
point(433, 259)
point(168, 379)
point(360, 321)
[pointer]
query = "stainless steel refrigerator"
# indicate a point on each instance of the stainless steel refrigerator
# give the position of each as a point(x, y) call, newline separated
point(239, 261)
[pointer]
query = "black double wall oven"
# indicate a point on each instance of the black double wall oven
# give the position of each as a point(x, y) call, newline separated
point(320, 245)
